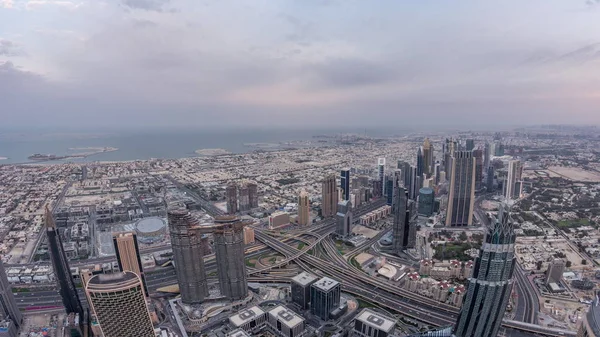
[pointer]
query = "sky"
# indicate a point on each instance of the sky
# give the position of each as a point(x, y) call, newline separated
point(306, 63)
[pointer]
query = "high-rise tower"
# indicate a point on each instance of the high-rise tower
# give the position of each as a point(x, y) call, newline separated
point(303, 209)
point(478, 154)
point(427, 157)
point(515, 171)
point(345, 184)
point(344, 218)
point(68, 292)
point(401, 222)
point(491, 284)
point(186, 242)
point(470, 145)
point(231, 196)
point(461, 196)
point(119, 305)
point(128, 255)
point(253, 195)
point(381, 170)
point(420, 163)
point(329, 196)
point(8, 306)
point(244, 198)
point(228, 235)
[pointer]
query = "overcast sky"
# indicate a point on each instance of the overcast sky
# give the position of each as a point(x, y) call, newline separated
point(302, 62)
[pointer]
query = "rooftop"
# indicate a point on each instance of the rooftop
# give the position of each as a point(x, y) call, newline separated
point(245, 316)
point(304, 279)
point(238, 333)
point(325, 284)
point(286, 316)
point(376, 320)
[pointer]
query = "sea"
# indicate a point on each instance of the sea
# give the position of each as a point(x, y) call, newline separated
point(16, 146)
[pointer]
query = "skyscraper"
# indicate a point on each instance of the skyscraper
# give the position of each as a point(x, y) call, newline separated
point(461, 196)
point(303, 209)
point(231, 196)
point(400, 230)
point(427, 157)
point(389, 189)
point(228, 236)
point(426, 201)
point(244, 198)
point(188, 257)
point(329, 196)
point(128, 255)
point(381, 170)
point(345, 184)
point(470, 146)
point(300, 288)
point(490, 286)
point(68, 292)
point(8, 306)
point(487, 155)
point(324, 297)
point(420, 162)
point(119, 305)
point(515, 170)
point(478, 154)
point(490, 179)
point(344, 218)
point(253, 195)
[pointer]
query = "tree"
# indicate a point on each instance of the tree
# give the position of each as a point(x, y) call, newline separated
point(463, 236)
point(568, 264)
point(539, 265)
point(584, 262)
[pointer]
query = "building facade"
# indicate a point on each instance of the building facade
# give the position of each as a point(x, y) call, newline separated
point(9, 312)
point(253, 195)
point(329, 196)
point(231, 198)
point(68, 292)
point(426, 201)
point(400, 230)
point(345, 184)
point(369, 323)
point(324, 297)
point(427, 158)
point(555, 271)
point(461, 196)
point(119, 304)
point(228, 236)
point(300, 287)
point(244, 198)
point(128, 255)
point(344, 218)
point(188, 257)
point(490, 286)
point(303, 209)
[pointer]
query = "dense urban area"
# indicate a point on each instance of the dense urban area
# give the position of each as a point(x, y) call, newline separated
point(438, 234)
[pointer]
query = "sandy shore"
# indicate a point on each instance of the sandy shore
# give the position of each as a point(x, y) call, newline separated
point(212, 152)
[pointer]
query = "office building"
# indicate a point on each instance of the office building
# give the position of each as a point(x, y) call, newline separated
point(478, 154)
point(590, 327)
point(9, 312)
point(128, 255)
point(119, 304)
point(324, 297)
point(377, 189)
point(461, 196)
point(369, 323)
point(470, 144)
point(251, 320)
point(400, 230)
point(490, 286)
point(427, 158)
point(300, 287)
point(253, 195)
point(420, 162)
point(487, 156)
point(279, 219)
point(345, 184)
point(231, 197)
point(499, 149)
point(344, 218)
point(228, 236)
point(426, 201)
point(188, 256)
point(437, 171)
point(285, 323)
point(515, 172)
point(555, 271)
point(303, 209)
point(68, 292)
point(329, 196)
point(381, 169)
point(490, 179)
point(389, 189)
point(449, 148)
point(244, 198)
point(249, 235)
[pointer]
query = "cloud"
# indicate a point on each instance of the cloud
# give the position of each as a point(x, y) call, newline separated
point(148, 5)
point(37, 4)
point(7, 48)
point(7, 4)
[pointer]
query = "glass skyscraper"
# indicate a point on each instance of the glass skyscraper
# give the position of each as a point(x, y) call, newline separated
point(490, 286)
